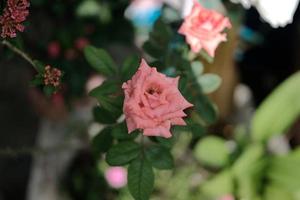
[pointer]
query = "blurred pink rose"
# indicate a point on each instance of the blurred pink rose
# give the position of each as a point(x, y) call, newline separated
point(153, 102)
point(116, 177)
point(227, 197)
point(54, 49)
point(81, 42)
point(202, 29)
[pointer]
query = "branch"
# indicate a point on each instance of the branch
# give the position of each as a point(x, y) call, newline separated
point(19, 52)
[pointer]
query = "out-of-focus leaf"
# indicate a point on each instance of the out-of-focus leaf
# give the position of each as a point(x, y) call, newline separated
point(49, 90)
point(205, 108)
point(212, 151)
point(102, 141)
point(160, 157)
point(219, 185)
point(140, 179)
point(194, 126)
point(250, 156)
point(122, 153)
point(273, 192)
point(159, 39)
point(161, 33)
point(38, 80)
point(129, 67)
point(88, 8)
point(153, 50)
point(100, 60)
point(207, 57)
point(197, 68)
point(248, 171)
point(277, 113)
point(284, 171)
point(209, 82)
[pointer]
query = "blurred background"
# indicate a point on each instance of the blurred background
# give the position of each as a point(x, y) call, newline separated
point(45, 143)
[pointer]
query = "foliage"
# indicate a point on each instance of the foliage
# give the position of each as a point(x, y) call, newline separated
point(167, 166)
point(165, 47)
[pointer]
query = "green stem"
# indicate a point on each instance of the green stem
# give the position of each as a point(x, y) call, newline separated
point(19, 52)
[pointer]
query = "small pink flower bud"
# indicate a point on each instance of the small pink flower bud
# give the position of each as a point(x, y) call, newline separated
point(116, 177)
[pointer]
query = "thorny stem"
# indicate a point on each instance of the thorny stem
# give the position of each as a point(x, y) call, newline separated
point(19, 52)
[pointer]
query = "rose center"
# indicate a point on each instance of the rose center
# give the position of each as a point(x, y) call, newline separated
point(154, 90)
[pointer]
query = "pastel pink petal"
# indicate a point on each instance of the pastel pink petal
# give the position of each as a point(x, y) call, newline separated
point(178, 121)
point(130, 124)
point(211, 45)
point(225, 23)
point(176, 81)
point(144, 122)
point(194, 42)
point(151, 132)
point(176, 114)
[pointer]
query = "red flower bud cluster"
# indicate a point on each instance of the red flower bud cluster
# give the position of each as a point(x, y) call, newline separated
point(13, 15)
point(52, 76)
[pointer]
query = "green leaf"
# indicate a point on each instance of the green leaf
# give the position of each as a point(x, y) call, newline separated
point(107, 87)
point(166, 142)
point(100, 61)
point(103, 116)
point(38, 80)
point(88, 8)
point(279, 111)
point(122, 153)
point(49, 90)
point(206, 56)
point(160, 157)
point(273, 192)
point(249, 170)
point(205, 108)
point(212, 151)
point(209, 82)
point(162, 33)
point(219, 185)
point(284, 171)
point(120, 132)
point(153, 50)
point(197, 68)
point(129, 68)
point(102, 141)
point(108, 95)
point(245, 162)
point(196, 129)
point(140, 179)
point(159, 39)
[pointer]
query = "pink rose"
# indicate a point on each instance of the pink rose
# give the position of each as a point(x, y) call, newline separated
point(116, 177)
point(153, 102)
point(202, 29)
